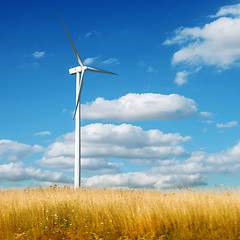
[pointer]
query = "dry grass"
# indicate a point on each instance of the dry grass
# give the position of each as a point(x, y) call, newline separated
point(62, 213)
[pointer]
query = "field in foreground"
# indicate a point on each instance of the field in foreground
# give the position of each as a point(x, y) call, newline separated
point(62, 213)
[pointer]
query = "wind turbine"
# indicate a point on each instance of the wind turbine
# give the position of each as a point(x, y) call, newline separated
point(79, 71)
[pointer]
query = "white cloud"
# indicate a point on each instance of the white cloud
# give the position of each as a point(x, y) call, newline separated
point(216, 43)
point(111, 61)
point(101, 142)
point(89, 61)
point(14, 151)
point(129, 135)
point(223, 162)
point(89, 165)
point(144, 180)
point(233, 10)
point(138, 107)
point(194, 171)
point(62, 162)
point(42, 133)
point(128, 141)
point(181, 78)
point(38, 54)
point(205, 114)
point(167, 171)
point(227, 125)
point(129, 180)
point(20, 172)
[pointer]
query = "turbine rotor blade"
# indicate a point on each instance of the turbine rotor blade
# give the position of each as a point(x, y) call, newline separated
point(74, 49)
point(79, 94)
point(91, 69)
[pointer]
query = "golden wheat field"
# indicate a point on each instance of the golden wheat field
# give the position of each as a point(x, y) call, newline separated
point(63, 213)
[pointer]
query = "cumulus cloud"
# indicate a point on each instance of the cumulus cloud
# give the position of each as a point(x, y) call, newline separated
point(216, 43)
point(170, 166)
point(227, 125)
point(193, 171)
point(38, 54)
point(181, 78)
point(89, 165)
point(129, 180)
point(20, 172)
point(14, 151)
point(227, 161)
point(138, 107)
point(128, 141)
point(101, 142)
point(145, 180)
point(130, 136)
point(61, 155)
point(233, 10)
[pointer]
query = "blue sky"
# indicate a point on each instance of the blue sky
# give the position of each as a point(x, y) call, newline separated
point(169, 119)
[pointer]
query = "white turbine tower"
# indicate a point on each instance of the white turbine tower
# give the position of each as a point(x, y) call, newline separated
point(79, 71)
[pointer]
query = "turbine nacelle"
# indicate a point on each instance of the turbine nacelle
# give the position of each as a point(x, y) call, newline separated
point(76, 70)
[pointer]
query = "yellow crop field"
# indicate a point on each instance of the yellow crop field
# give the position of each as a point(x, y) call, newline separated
point(63, 213)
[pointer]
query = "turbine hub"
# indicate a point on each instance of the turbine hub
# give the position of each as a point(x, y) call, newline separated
point(84, 68)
